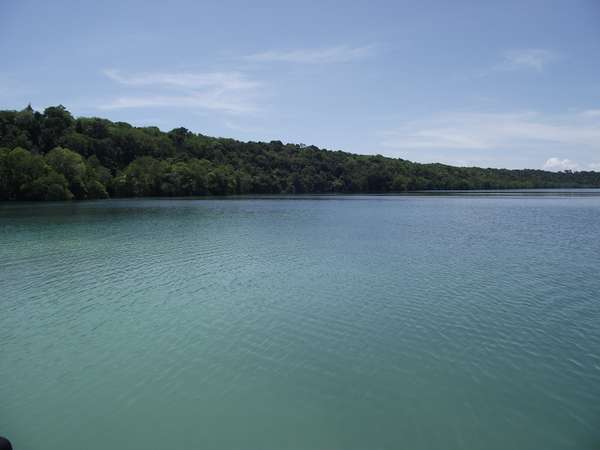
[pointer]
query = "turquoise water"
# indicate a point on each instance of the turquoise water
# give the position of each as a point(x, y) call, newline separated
point(408, 322)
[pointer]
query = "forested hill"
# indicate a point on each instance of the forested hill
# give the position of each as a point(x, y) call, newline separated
point(53, 156)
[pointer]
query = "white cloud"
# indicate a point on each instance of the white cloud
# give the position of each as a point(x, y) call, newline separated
point(519, 133)
point(523, 60)
point(557, 164)
point(209, 101)
point(229, 92)
point(594, 166)
point(591, 113)
point(530, 58)
point(494, 130)
point(326, 55)
point(220, 80)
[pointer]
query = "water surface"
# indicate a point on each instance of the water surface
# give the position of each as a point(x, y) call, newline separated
point(383, 322)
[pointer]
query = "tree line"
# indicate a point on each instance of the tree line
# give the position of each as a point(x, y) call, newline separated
point(51, 155)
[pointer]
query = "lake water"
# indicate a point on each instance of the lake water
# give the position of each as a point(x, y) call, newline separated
point(384, 322)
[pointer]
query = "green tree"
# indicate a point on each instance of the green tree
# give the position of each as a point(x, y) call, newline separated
point(26, 176)
point(52, 186)
point(72, 166)
point(144, 176)
point(55, 122)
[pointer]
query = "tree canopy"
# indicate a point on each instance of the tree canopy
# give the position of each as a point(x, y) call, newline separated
point(51, 155)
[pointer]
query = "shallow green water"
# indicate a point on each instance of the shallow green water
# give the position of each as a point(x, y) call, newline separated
point(416, 322)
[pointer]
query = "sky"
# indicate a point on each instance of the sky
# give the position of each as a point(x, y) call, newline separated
point(512, 84)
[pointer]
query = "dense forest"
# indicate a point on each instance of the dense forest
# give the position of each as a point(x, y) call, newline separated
point(54, 156)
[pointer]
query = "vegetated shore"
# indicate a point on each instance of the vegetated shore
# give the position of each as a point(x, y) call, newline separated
point(51, 155)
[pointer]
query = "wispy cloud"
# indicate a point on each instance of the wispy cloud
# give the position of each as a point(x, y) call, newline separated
point(220, 80)
point(494, 130)
point(514, 61)
point(209, 101)
point(514, 131)
point(592, 113)
point(339, 54)
point(529, 58)
point(230, 92)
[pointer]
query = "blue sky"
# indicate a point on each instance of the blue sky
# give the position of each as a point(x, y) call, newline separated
point(488, 83)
